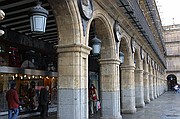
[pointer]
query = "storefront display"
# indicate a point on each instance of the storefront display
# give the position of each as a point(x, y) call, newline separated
point(14, 58)
point(28, 87)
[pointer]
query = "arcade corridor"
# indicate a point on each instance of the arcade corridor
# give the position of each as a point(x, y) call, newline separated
point(164, 107)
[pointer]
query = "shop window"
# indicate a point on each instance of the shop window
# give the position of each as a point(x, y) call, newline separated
point(28, 88)
point(4, 87)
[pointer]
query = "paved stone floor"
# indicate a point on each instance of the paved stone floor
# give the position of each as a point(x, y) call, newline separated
point(166, 106)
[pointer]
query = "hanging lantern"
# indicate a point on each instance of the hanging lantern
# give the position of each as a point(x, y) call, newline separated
point(96, 43)
point(1, 32)
point(96, 46)
point(2, 15)
point(121, 57)
point(38, 16)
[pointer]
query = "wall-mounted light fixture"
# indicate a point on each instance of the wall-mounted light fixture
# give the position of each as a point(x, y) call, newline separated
point(38, 16)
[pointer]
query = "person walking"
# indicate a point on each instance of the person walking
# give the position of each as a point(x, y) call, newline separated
point(93, 97)
point(13, 102)
point(176, 88)
point(43, 101)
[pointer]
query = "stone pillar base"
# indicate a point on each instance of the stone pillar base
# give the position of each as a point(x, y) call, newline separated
point(147, 101)
point(128, 111)
point(152, 99)
point(140, 105)
point(111, 118)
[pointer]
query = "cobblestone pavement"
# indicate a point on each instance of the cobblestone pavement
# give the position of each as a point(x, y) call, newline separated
point(166, 106)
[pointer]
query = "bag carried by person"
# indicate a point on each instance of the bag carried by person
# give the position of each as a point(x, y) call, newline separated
point(94, 97)
point(98, 105)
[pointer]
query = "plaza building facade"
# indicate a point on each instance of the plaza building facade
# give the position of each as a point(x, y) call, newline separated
point(172, 43)
point(129, 70)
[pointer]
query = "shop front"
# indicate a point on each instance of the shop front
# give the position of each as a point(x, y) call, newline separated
point(28, 84)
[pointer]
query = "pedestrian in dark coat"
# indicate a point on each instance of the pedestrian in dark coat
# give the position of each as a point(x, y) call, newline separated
point(13, 102)
point(43, 101)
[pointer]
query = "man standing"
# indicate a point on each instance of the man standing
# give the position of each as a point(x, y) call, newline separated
point(13, 102)
point(43, 101)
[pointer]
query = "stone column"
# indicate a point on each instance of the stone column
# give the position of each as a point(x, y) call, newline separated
point(165, 81)
point(157, 84)
point(151, 94)
point(127, 89)
point(154, 86)
point(139, 89)
point(161, 87)
point(73, 81)
point(110, 89)
point(146, 88)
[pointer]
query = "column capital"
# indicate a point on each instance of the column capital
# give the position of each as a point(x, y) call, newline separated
point(73, 48)
point(127, 67)
point(109, 61)
point(145, 73)
point(139, 70)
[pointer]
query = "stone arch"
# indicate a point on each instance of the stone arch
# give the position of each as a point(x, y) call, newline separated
point(145, 65)
point(127, 77)
point(101, 25)
point(137, 58)
point(104, 32)
point(109, 64)
point(68, 21)
point(153, 71)
point(72, 60)
point(150, 67)
point(126, 49)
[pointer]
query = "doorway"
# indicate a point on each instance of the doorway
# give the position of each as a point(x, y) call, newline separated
point(171, 81)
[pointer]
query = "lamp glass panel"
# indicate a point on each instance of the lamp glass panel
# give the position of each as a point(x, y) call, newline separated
point(121, 57)
point(38, 23)
point(96, 49)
